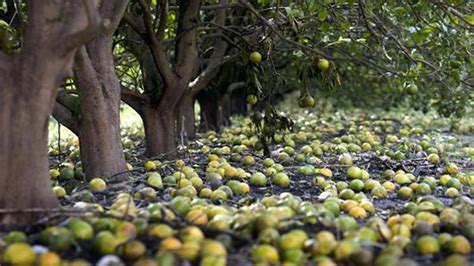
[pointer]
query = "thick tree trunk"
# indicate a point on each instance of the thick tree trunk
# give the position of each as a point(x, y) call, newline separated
point(24, 179)
point(160, 131)
point(99, 124)
point(186, 122)
point(28, 84)
point(26, 101)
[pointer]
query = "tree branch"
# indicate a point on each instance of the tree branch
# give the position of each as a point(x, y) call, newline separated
point(163, 21)
point(450, 9)
point(216, 58)
point(65, 117)
point(201, 81)
point(158, 50)
point(84, 70)
point(221, 5)
point(234, 86)
point(133, 98)
point(11, 12)
point(134, 24)
point(64, 98)
point(113, 11)
point(271, 26)
point(388, 33)
point(186, 47)
point(94, 27)
point(213, 7)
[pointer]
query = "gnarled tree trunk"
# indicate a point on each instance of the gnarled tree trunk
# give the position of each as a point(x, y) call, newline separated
point(28, 84)
point(25, 106)
point(95, 116)
point(99, 123)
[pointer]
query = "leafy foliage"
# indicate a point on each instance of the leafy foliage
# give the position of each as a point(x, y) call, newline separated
point(378, 48)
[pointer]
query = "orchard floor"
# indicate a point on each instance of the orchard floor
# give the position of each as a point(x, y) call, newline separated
point(411, 203)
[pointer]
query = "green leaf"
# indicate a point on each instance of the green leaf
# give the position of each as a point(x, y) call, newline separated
point(399, 11)
point(323, 14)
point(429, 28)
point(469, 19)
point(345, 25)
point(293, 23)
point(325, 27)
point(4, 24)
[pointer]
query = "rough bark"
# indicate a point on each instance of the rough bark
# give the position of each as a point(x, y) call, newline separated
point(160, 131)
point(24, 180)
point(29, 80)
point(147, 106)
point(95, 118)
point(99, 124)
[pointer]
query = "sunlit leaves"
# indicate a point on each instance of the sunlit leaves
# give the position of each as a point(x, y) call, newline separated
point(469, 19)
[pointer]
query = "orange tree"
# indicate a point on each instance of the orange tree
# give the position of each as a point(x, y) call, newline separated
point(364, 51)
point(377, 53)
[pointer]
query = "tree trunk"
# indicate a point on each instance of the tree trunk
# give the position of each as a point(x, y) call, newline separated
point(28, 84)
point(99, 123)
point(24, 178)
point(160, 131)
point(224, 112)
point(209, 109)
point(186, 122)
point(26, 101)
point(238, 102)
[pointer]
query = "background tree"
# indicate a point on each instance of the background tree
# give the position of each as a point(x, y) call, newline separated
point(167, 102)
point(396, 46)
point(158, 111)
point(224, 97)
point(376, 40)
